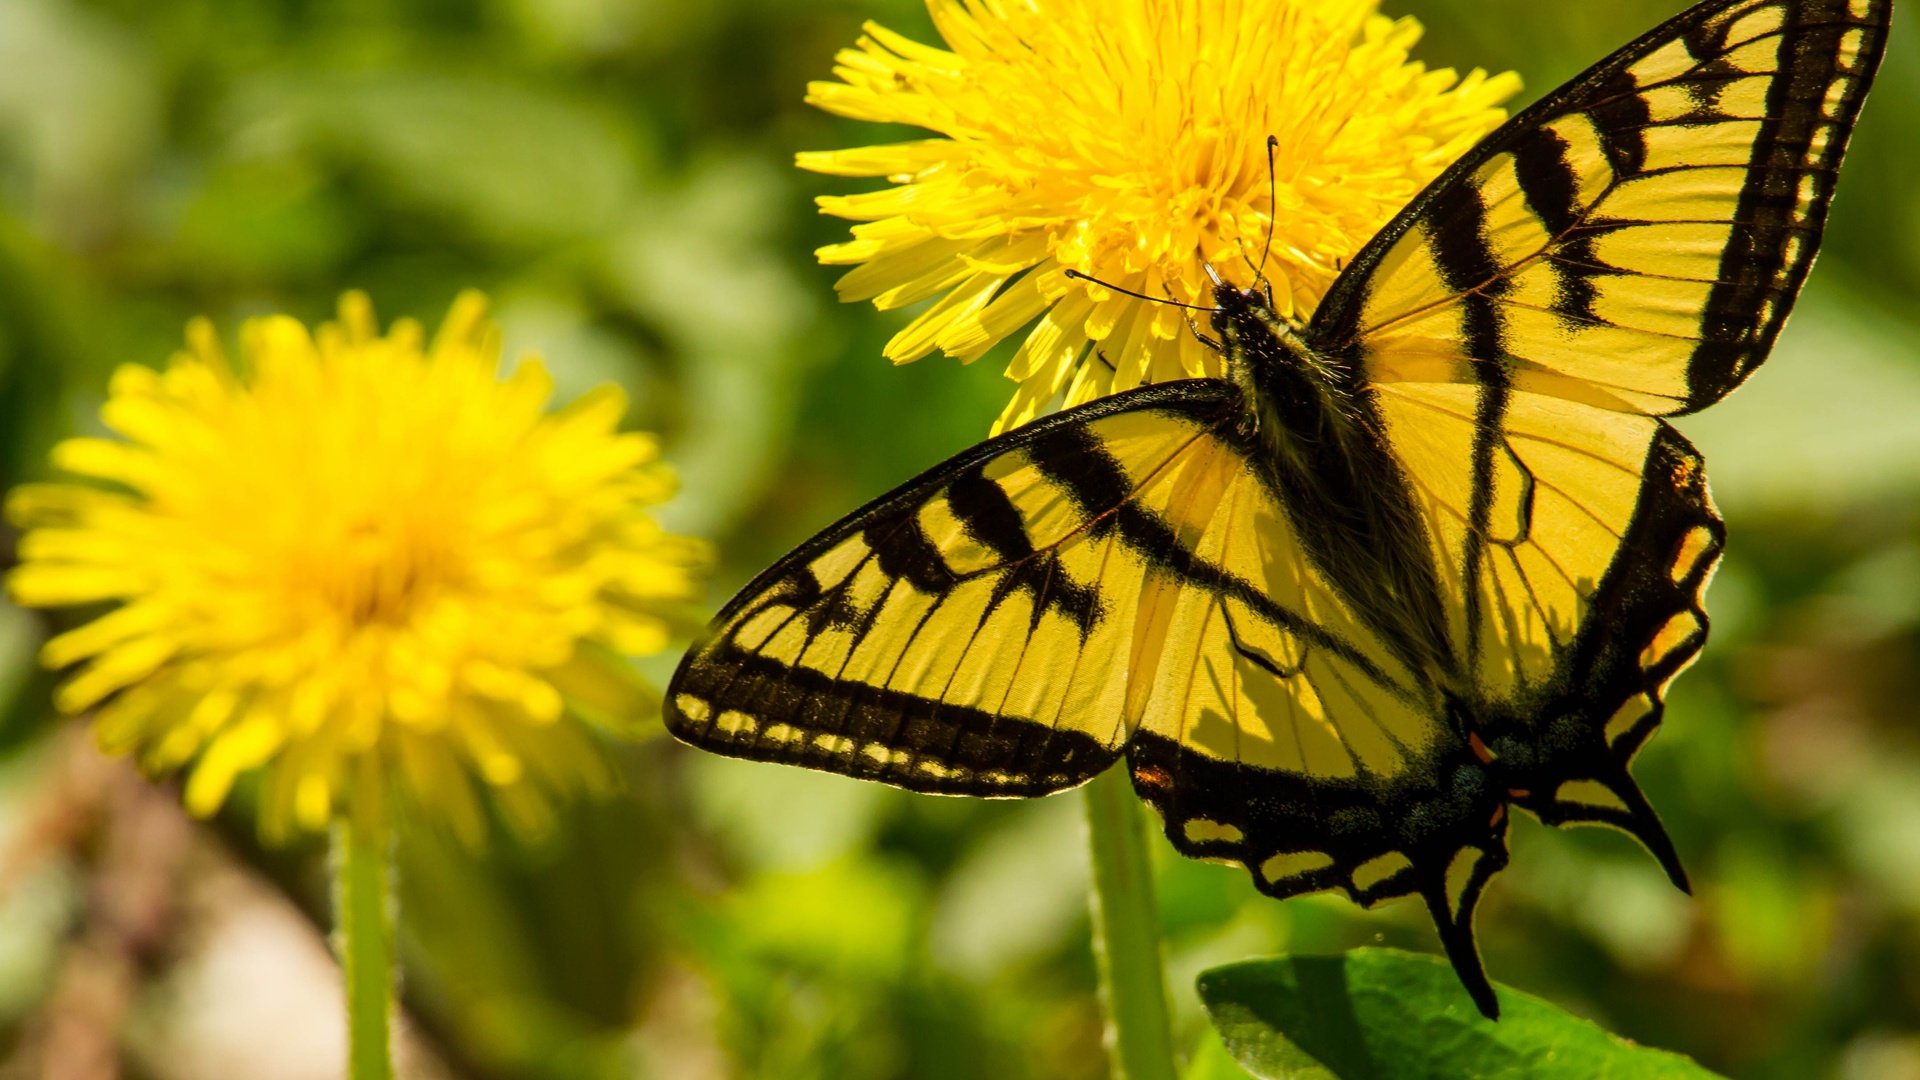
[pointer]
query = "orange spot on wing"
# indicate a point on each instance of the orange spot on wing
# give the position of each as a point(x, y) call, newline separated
point(1152, 776)
point(1479, 748)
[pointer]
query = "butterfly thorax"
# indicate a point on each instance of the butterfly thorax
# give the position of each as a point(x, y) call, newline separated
point(1301, 404)
point(1311, 423)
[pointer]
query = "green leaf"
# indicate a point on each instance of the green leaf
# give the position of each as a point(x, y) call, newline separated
point(1380, 1013)
point(1212, 1060)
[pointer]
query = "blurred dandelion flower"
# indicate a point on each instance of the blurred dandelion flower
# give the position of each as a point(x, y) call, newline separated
point(356, 559)
point(1128, 142)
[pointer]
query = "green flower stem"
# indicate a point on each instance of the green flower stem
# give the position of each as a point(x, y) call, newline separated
point(363, 904)
point(1126, 933)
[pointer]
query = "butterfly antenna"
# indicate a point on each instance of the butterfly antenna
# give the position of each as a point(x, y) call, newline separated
point(1137, 295)
point(1273, 207)
point(1273, 211)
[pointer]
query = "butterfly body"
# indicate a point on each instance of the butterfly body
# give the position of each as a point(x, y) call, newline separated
point(1312, 431)
point(1433, 554)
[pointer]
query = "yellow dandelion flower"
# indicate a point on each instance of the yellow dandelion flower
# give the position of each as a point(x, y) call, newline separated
point(1129, 142)
point(356, 557)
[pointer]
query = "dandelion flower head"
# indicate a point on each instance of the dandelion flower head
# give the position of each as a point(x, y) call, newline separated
point(356, 558)
point(1128, 141)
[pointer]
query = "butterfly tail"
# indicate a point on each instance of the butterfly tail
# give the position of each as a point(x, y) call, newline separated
point(1452, 896)
point(1631, 814)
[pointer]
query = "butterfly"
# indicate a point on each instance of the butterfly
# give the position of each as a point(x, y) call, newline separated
point(1431, 555)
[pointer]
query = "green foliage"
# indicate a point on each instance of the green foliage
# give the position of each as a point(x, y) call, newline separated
point(1381, 1014)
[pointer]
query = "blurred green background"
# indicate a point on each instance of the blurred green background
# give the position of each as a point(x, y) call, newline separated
point(616, 174)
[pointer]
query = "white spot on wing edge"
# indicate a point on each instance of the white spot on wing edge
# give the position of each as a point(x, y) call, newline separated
point(1378, 869)
point(1588, 793)
point(1693, 548)
point(1627, 716)
point(1293, 864)
point(1204, 830)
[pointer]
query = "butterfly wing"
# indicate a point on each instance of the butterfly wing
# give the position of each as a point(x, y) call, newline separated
point(970, 632)
point(1117, 578)
point(1575, 558)
point(1005, 623)
point(1285, 734)
point(1636, 239)
point(1623, 250)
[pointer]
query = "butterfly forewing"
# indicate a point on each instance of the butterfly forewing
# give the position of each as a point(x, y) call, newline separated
point(964, 634)
point(1637, 238)
point(1007, 621)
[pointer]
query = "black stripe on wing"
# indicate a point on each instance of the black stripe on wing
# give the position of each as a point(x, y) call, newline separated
point(873, 733)
point(1463, 254)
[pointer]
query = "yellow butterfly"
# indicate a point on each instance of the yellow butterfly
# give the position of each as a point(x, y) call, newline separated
point(1434, 553)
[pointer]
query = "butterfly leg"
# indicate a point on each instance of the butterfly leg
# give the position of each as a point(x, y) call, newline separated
point(1202, 338)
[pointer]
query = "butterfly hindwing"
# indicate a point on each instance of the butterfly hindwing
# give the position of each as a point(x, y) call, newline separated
point(1526, 545)
point(1565, 749)
point(1273, 727)
point(1285, 734)
point(1579, 596)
